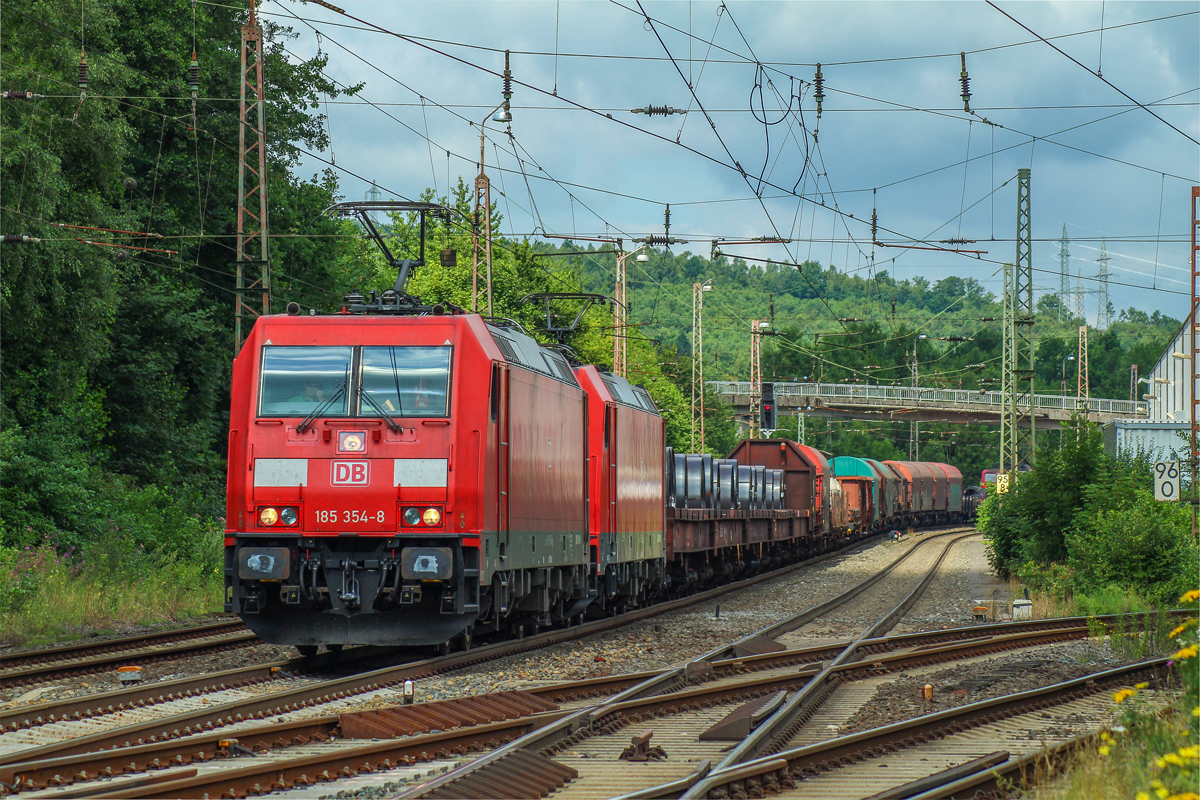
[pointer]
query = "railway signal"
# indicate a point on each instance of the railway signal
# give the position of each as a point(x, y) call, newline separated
point(766, 420)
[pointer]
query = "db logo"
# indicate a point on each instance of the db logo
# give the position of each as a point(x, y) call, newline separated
point(351, 473)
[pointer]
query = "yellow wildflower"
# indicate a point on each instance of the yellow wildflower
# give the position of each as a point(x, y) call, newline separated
point(1142, 796)
point(1105, 749)
point(1124, 694)
point(1196, 711)
point(1183, 627)
point(1106, 736)
point(1190, 596)
point(1141, 685)
point(1160, 763)
point(1172, 758)
point(1187, 652)
point(1192, 753)
point(1185, 796)
point(1162, 792)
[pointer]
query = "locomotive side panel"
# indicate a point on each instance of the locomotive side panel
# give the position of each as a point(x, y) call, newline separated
point(547, 523)
point(640, 499)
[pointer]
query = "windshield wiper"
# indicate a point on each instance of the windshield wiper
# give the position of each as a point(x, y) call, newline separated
point(391, 423)
point(339, 390)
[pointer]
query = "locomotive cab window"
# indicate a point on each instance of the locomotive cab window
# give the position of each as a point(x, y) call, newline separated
point(407, 381)
point(296, 381)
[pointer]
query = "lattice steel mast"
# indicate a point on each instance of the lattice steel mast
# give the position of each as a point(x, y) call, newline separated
point(1104, 307)
point(1064, 274)
point(755, 376)
point(1025, 439)
point(698, 291)
point(1083, 390)
point(1008, 419)
point(252, 180)
point(620, 335)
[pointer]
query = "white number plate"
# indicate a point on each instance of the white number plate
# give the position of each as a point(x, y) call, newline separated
point(332, 516)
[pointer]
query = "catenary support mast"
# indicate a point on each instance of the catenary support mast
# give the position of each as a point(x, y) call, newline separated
point(252, 181)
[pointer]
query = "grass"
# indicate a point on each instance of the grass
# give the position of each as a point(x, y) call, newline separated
point(46, 599)
point(1152, 749)
point(1050, 604)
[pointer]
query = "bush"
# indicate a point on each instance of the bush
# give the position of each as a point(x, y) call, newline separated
point(1146, 546)
point(1083, 527)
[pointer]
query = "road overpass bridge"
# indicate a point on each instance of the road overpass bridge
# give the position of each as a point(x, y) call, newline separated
point(909, 404)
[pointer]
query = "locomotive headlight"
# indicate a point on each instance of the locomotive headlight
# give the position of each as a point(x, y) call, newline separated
point(412, 516)
point(432, 517)
point(268, 516)
point(289, 516)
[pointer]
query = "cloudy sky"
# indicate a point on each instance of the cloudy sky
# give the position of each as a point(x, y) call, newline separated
point(757, 161)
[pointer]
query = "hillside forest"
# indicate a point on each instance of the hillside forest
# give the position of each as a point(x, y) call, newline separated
point(118, 334)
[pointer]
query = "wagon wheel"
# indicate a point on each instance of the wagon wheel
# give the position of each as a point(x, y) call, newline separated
point(464, 639)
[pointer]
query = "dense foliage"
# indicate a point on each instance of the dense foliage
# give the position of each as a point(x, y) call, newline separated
point(1085, 522)
point(114, 394)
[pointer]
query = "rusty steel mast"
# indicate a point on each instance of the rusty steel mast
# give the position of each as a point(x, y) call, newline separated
point(252, 222)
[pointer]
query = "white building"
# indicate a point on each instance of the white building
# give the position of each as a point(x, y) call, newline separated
point(1167, 392)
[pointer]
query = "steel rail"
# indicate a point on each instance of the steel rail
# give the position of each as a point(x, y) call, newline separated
point(804, 703)
point(200, 747)
point(1020, 774)
point(204, 720)
point(27, 716)
point(324, 767)
point(98, 663)
point(586, 720)
point(10, 661)
point(148, 694)
point(770, 773)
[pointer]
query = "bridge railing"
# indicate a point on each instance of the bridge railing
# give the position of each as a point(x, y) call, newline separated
point(906, 395)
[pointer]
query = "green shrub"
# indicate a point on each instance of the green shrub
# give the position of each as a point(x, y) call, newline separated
point(1147, 546)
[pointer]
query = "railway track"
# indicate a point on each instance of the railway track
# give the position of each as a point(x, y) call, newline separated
point(290, 698)
point(766, 725)
point(295, 753)
point(139, 697)
point(39, 666)
point(848, 766)
point(735, 677)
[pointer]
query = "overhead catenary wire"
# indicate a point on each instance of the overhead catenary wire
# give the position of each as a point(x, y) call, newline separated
point(1109, 83)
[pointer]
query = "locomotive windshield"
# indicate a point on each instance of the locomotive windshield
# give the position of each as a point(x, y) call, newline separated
point(298, 380)
point(407, 381)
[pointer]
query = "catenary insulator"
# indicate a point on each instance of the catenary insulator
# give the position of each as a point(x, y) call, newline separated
point(667, 220)
point(966, 85)
point(19, 238)
point(507, 78)
point(83, 76)
point(874, 226)
point(193, 80)
point(819, 89)
point(22, 94)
